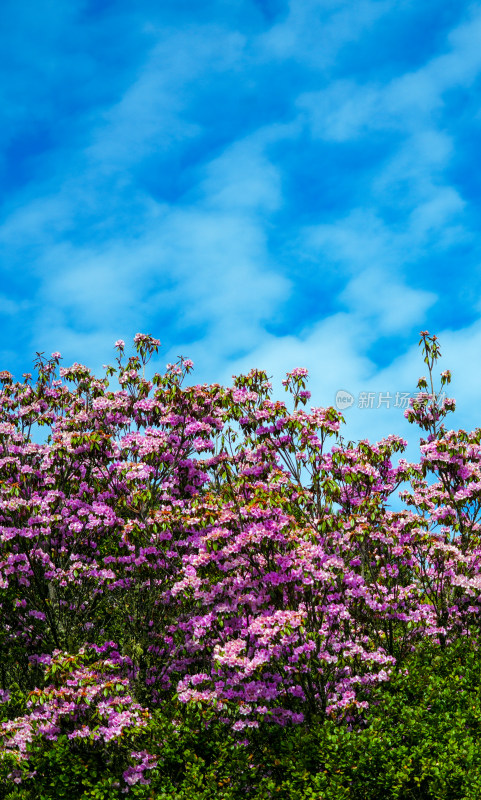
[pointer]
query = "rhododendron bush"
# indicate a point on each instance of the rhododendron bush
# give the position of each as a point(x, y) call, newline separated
point(214, 547)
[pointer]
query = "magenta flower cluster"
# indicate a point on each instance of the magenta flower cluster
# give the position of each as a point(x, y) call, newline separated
point(208, 543)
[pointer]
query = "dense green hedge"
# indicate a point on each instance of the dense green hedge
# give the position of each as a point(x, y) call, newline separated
point(422, 740)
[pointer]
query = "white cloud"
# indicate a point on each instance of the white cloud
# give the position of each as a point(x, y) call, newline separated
point(382, 299)
point(242, 178)
point(342, 111)
point(314, 31)
point(353, 243)
point(346, 109)
point(410, 209)
point(150, 116)
point(12, 308)
point(205, 264)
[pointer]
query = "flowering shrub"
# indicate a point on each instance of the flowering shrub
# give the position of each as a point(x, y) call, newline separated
point(207, 545)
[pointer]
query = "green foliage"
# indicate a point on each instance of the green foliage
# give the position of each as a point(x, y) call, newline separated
point(421, 740)
point(58, 772)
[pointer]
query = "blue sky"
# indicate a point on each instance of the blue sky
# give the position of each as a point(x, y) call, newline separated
point(270, 183)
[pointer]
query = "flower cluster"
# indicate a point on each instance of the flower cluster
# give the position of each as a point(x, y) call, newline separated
point(205, 543)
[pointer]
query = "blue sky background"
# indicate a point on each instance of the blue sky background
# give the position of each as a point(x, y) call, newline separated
point(270, 183)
